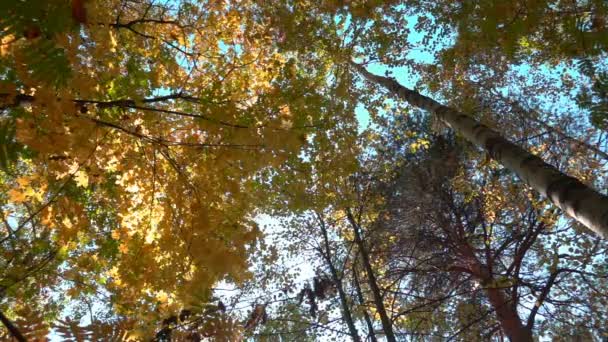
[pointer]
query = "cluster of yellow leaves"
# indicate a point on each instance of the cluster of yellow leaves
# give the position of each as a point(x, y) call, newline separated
point(461, 184)
point(494, 200)
point(419, 144)
point(154, 203)
point(27, 189)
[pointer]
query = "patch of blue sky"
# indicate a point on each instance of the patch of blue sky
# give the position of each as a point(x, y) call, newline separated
point(232, 47)
point(305, 266)
point(419, 53)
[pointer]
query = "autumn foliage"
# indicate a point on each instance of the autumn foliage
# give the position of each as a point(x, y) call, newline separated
point(142, 143)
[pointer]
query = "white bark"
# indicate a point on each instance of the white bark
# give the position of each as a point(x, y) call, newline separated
point(576, 199)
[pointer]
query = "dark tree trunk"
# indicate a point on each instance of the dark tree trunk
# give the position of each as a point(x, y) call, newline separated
point(12, 328)
point(368, 321)
point(338, 282)
point(506, 311)
point(387, 325)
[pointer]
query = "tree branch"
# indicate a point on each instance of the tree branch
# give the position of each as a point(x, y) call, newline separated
point(12, 328)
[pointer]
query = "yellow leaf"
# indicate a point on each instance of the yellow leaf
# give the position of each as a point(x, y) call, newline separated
point(113, 42)
point(123, 248)
point(132, 188)
point(23, 181)
point(81, 178)
point(67, 223)
point(162, 297)
point(16, 196)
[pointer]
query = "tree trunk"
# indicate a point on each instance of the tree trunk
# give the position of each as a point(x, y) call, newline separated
point(506, 312)
point(508, 318)
point(370, 326)
point(534, 116)
point(579, 201)
point(12, 328)
point(338, 282)
point(387, 325)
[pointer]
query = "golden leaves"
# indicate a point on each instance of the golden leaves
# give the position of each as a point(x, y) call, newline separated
point(5, 44)
point(82, 179)
point(157, 194)
point(29, 188)
point(419, 144)
point(16, 196)
point(113, 42)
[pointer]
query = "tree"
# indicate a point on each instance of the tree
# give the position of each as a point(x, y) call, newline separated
point(140, 142)
point(452, 220)
point(337, 280)
point(140, 138)
point(387, 325)
point(361, 298)
point(569, 194)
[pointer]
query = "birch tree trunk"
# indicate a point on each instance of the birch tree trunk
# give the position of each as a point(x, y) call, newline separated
point(576, 199)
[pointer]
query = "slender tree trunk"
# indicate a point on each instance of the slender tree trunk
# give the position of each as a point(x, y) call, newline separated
point(12, 328)
point(338, 281)
point(387, 325)
point(579, 201)
point(368, 321)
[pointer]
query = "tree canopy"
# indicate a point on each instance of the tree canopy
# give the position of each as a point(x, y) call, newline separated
point(439, 168)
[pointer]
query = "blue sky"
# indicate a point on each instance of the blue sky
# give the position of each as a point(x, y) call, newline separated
point(407, 78)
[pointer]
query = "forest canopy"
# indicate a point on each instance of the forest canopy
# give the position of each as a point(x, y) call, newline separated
point(299, 170)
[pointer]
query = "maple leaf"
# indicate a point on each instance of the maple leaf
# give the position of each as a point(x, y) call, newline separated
point(81, 178)
point(17, 196)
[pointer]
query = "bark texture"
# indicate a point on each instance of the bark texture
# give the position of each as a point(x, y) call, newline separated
point(576, 199)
